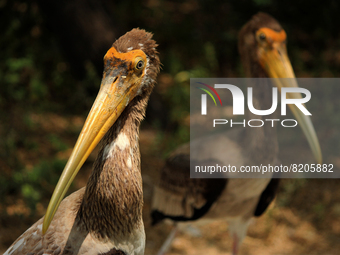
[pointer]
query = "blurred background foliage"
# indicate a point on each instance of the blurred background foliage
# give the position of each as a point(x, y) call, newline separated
point(51, 64)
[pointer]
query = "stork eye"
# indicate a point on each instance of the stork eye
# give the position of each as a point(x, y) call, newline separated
point(262, 36)
point(139, 64)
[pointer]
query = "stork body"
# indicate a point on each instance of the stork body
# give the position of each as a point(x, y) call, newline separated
point(263, 52)
point(184, 199)
point(105, 217)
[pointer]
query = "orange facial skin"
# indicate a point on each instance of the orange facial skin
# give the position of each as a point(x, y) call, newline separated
point(271, 35)
point(130, 57)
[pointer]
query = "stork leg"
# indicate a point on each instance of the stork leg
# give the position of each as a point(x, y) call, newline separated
point(236, 244)
point(166, 245)
point(238, 230)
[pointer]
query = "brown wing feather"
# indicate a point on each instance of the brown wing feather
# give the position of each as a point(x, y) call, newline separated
point(268, 194)
point(66, 234)
point(53, 242)
point(180, 197)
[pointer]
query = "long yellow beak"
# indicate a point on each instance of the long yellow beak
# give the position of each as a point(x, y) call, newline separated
point(276, 63)
point(114, 94)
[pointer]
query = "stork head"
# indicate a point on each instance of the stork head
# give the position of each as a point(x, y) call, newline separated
point(133, 60)
point(262, 46)
point(130, 70)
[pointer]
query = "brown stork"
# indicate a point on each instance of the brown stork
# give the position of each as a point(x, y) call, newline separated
point(262, 46)
point(105, 217)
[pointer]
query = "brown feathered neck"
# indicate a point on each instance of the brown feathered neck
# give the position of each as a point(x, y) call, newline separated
point(113, 199)
point(248, 48)
point(262, 139)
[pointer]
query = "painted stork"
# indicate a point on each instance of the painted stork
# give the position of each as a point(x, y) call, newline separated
point(262, 46)
point(105, 217)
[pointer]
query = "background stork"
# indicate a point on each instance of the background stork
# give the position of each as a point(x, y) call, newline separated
point(262, 46)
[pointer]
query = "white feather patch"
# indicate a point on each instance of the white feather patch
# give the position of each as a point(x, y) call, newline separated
point(129, 162)
point(15, 246)
point(39, 227)
point(122, 142)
